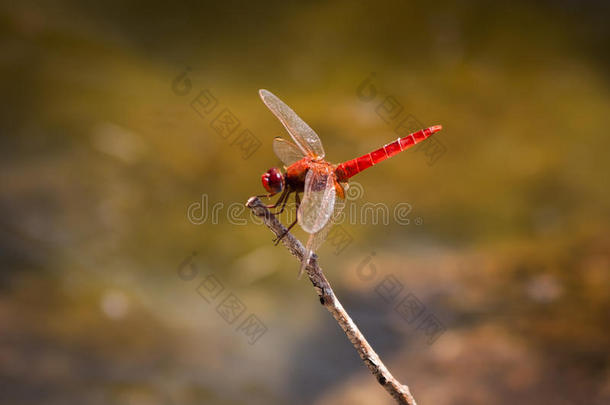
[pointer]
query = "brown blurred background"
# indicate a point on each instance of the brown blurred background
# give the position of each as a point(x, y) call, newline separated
point(507, 245)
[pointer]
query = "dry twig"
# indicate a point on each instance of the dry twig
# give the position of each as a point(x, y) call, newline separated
point(399, 391)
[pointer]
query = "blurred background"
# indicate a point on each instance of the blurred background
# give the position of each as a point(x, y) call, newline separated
point(132, 134)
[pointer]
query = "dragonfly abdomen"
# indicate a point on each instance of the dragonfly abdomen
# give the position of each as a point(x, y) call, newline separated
point(352, 167)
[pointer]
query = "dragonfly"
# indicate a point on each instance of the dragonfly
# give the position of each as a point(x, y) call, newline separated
point(322, 184)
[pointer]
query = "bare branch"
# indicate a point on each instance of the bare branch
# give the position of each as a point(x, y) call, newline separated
point(399, 391)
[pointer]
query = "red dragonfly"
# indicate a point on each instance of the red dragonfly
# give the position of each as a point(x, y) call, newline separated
point(320, 181)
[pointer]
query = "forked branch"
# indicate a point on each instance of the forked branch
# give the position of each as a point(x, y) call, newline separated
point(399, 391)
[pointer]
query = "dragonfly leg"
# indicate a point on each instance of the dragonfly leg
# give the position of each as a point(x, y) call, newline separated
point(298, 202)
point(283, 205)
point(279, 201)
point(279, 238)
point(265, 195)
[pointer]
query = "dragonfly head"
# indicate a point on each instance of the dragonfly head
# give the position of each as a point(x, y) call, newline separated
point(273, 180)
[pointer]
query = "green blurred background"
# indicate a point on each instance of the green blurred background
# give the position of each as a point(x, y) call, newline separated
point(507, 245)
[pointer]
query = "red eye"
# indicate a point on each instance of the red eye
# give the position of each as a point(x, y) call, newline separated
point(273, 180)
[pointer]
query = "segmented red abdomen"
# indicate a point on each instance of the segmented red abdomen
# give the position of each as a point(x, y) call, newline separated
point(352, 167)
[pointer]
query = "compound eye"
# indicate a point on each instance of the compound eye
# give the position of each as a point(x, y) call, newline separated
point(273, 180)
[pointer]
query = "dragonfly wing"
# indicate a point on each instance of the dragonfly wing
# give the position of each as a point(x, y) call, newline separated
point(315, 240)
point(305, 137)
point(318, 200)
point(287, 151)
point(320, 236)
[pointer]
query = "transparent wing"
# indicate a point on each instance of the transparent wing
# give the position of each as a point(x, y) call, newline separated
point(315, 240)
point(320, 236)
point(287, 151)
point(305, 138)
point(318, 200)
